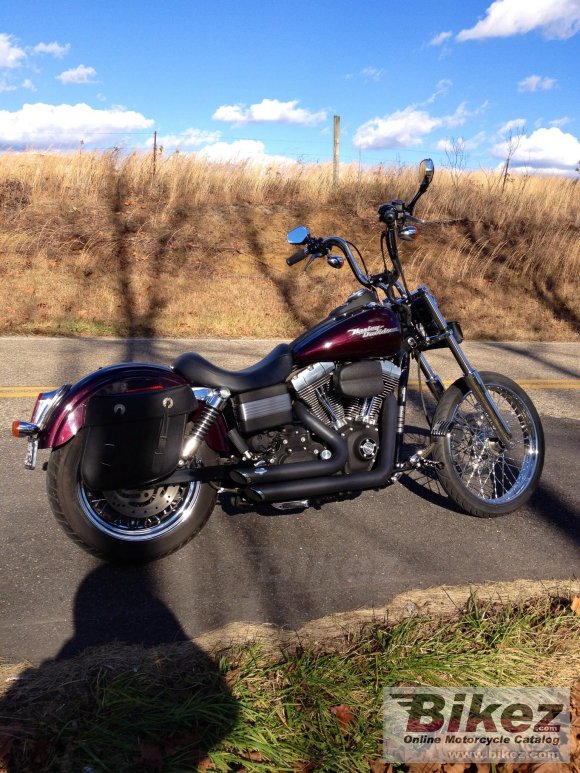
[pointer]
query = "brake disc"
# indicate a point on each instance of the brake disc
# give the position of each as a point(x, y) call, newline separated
point(142, 503)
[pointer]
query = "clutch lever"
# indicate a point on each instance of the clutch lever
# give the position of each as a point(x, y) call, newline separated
point(413, 219)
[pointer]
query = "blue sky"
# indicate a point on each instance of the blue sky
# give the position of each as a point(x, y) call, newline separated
point(261, 80)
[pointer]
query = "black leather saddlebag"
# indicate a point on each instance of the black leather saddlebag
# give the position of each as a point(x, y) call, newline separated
point(133, 439)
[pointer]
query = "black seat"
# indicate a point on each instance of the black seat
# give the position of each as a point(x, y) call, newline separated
point(273, 369)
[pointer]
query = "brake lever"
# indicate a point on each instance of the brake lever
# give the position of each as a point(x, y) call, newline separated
point(311, 260)
point(413, 219)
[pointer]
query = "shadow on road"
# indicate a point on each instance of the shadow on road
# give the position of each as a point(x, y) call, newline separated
point(549, 505)
point(128, 682)
point(534, 356)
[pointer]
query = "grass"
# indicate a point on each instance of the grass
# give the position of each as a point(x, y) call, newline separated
point(174, 709)
point(94, 244)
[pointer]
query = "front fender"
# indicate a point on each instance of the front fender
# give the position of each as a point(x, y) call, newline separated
point(69, 416)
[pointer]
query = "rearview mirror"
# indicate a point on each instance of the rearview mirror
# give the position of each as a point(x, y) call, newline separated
point(298, 235)
point(426, 171)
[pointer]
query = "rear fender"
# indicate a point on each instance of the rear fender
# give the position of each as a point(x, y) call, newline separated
point(68, 416)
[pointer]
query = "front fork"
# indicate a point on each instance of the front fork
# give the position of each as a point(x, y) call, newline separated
point(471, 375)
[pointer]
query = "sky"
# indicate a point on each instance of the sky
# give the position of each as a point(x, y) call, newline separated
point(466, 83)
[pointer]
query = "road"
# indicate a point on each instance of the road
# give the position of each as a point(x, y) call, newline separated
point(255, 566)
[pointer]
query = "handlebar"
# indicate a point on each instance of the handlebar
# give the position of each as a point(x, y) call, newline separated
point(319, 247)
point(297, 257)
point(392, 211)
point(394, 214)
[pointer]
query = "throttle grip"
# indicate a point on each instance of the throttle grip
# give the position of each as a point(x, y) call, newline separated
point(297, 257)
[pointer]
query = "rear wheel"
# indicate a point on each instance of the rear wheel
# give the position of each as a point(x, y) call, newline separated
point(481, 475)
point(126, 525)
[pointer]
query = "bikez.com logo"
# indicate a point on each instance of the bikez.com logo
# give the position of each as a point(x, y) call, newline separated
point(477, 724)
point(371, 332)
point(427, 714)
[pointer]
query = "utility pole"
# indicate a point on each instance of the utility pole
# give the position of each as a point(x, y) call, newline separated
point(336, 154)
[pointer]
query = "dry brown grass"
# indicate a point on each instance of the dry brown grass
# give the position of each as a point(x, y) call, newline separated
point(96, 245)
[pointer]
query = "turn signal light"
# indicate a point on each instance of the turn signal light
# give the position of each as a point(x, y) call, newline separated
point(409, 233)
point(23, 428)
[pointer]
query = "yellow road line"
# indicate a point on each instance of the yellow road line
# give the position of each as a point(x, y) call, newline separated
point(531, 383)
point(14, 392)
point(23, 391)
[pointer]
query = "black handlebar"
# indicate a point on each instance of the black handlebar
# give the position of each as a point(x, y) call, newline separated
point(297, 257)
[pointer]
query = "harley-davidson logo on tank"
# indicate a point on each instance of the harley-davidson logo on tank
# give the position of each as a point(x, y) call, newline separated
point(374, 330)
point(370, 332)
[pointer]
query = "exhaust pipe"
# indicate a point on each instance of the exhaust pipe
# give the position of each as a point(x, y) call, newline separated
point(336, 484)
point(292, 471)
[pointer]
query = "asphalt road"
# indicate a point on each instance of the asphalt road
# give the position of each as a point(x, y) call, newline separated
point(255, 566)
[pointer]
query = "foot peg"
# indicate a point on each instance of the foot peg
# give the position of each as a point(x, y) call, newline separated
point(442, 429)
point(419, 460)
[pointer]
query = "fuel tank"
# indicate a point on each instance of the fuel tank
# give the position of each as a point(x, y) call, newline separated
point(373, 331)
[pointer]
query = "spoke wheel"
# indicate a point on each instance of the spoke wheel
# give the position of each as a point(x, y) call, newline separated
point(126, 525)
point(481, 475)
point(138, 515)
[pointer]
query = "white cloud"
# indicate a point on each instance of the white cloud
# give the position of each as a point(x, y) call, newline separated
point(546, 151)
point(441, 88)
point(269, 111)
point(80, 74)
point(11, 55)
point(513, 126)
point(405, 128)
point(250, 151)
point(401, 129)
point(558, 19)
point(372, 73)
point(561, 121)
point(190, 138)
point(64, 126)
point(447, 145)
point(54, 49)
point(28, 84)
point(535, 83)
point(4, 86)
point(441, 38)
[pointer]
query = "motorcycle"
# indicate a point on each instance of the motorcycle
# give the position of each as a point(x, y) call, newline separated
point(140, 452)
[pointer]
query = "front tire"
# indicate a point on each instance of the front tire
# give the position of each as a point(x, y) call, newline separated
point(127, 526)
point(478, 473)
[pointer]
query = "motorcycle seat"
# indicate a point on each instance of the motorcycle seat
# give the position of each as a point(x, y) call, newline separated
point(274, 368)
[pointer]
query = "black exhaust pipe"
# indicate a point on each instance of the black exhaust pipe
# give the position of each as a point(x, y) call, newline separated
point(335, 484)
point(292, 471)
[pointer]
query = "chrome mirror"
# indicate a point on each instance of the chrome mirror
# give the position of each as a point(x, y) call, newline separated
point(426, 171)
point(298, 235)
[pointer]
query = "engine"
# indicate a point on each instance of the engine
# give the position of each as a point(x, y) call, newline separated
point(340, 394)
point(347, 397)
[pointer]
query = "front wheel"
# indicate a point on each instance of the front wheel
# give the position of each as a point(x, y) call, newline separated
point(480, 475)
point(125, 525)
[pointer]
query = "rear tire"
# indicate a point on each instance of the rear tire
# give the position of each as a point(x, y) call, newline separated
point(479, 475)
point(126, 526)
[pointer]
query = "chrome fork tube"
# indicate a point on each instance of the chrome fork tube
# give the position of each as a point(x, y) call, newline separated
point(431, 378)
point(472, 377)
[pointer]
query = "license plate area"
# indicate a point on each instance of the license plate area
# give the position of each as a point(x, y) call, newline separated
point(31, 453)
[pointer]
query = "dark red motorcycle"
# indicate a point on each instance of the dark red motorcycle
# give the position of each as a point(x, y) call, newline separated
point(141, 451)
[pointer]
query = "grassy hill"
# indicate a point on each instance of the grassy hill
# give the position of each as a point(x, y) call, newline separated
point(100, 244)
